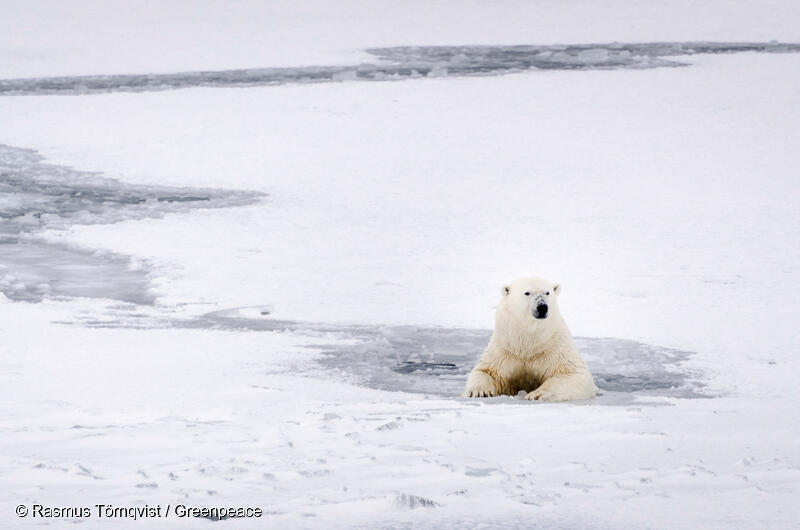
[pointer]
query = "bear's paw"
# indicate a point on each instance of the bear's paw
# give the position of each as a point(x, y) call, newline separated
point(479, 392)
point(480, 384)
point(547, 394)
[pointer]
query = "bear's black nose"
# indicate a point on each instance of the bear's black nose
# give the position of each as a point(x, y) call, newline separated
point(541, 311)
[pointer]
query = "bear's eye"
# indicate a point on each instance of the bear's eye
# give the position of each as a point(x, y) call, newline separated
point(547, 293)
point(527, 293)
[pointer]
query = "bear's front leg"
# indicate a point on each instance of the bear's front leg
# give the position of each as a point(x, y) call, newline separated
point(565, 387)
point(479, 384)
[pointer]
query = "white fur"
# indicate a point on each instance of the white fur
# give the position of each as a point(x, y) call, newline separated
point(526, 353)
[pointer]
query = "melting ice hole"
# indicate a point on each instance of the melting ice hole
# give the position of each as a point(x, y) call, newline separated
point(36, 196)
point(436, 361)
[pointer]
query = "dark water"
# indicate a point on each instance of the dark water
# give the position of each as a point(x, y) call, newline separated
point(406, 62)
point(436, 361)
point(35, 196)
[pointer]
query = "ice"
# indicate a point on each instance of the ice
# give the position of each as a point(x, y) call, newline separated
point(303, 349)
point(31, 270)
point(48, 195)
point(407, 62)
point(35, 196)
point(436, 361)
point(413, 502)
point(35, 40)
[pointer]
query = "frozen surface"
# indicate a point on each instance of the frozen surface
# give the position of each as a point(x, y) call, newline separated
point(436, 361)
point(54, 38)
point(403, 63)
point(301, 350)
point(210, 416)
point(35, 196)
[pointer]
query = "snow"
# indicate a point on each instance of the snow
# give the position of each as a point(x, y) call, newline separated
point(281, 363)
point(218, 417)
point(53, 38)
point(405, 62)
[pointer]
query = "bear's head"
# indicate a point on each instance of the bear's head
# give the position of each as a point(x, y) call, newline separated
point(529, 303)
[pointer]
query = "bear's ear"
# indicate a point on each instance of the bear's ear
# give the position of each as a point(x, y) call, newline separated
point(557, 288)
point(505, 290)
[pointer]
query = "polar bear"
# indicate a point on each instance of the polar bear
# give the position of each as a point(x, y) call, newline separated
point(531, 349)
